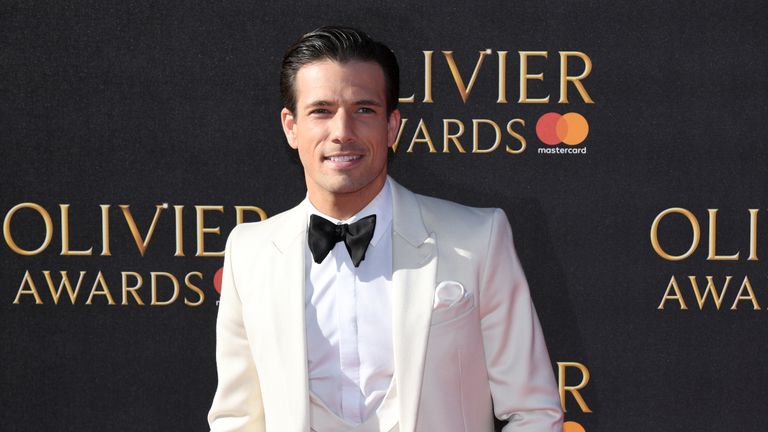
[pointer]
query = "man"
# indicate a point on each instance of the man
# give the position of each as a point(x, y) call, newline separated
point(368, 307)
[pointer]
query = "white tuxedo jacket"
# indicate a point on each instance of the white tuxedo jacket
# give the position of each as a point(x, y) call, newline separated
point(454, 367)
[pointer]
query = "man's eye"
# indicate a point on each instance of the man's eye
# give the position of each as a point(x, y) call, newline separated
point(319, 111)
point(366, 110)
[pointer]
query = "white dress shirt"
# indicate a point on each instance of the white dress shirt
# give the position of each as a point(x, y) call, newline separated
point(349, 318)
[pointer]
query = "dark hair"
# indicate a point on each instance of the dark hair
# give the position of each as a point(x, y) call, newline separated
point(340, 44)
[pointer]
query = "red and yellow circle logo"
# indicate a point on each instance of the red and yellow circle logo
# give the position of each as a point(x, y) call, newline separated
point(217, 279)
point(572, 426)
point(571, 128)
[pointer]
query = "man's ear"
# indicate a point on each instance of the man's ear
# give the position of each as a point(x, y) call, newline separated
point(393, 127)
point(289, 127)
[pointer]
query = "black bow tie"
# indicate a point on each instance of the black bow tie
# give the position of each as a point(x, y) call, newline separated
point(324, 234)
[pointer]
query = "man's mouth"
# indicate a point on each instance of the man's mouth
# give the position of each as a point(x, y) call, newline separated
point(343, 158)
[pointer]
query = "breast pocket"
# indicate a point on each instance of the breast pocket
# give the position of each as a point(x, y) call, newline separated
point(455, 312)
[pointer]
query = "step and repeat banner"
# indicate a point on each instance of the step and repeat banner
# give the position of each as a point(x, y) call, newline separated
point(626, 143)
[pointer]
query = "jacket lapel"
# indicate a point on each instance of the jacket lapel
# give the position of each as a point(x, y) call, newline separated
point(288, 301)
point(414, 267)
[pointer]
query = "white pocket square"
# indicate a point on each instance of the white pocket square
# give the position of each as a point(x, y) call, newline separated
point(447, 294)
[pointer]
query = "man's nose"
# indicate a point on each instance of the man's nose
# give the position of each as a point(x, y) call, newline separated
point(342, 129)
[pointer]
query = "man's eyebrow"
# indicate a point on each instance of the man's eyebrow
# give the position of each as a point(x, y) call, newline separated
point(318, 103)
point(361, 102)
point(370, 102)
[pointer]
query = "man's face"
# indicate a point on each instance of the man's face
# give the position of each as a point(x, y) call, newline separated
point(341, 129)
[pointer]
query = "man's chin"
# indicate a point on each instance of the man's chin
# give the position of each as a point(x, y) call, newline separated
point(348, 187)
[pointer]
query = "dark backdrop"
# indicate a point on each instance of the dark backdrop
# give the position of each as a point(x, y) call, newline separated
point(144, 103)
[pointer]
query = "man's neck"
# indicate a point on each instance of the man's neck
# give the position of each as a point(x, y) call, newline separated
point(344, 206)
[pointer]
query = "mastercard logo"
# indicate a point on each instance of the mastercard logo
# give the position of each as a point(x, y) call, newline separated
point(217, 279)
point(553, 128)
point(572, 426)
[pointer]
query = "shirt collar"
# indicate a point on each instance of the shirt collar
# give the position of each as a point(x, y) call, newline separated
point(381, 206)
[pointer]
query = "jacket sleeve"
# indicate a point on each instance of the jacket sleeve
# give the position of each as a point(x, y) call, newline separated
point(519, 370)
point(237, 405)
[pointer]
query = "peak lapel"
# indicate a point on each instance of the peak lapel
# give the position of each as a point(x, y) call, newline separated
point(414, 267)
point(286, 310)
